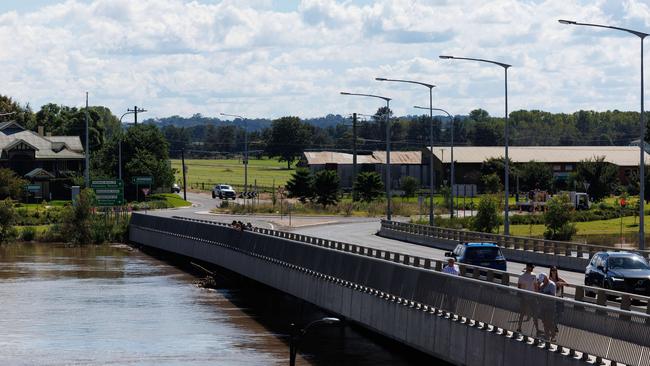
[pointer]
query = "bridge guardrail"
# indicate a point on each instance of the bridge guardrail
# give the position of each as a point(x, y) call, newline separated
point(615, 334)
point(559, 248)
point(588, 294)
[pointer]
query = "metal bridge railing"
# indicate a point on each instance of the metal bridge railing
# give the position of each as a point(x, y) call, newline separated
point(560, 248)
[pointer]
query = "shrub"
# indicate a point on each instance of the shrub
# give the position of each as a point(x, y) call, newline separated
point(409, 185)
point(326, 187)
point(28, 233)
point(301, 185)
point(491, 183)
point(487, 216)
point(7, 221)
point(558, 219)
point(368, 186)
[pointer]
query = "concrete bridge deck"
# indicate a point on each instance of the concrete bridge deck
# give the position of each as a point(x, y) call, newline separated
point(405, 298)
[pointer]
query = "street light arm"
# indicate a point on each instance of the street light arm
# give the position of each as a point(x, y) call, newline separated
point(636, 33)
point(367, 95)
point(433, 109)
point(232, 115)
point(430, 86)
point(130, 112)
point(446, 57)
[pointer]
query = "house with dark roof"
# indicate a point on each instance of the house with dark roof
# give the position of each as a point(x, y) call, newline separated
point(49, 162)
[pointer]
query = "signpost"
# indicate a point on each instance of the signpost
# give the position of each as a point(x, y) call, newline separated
point(109, 192)
point(144, 181)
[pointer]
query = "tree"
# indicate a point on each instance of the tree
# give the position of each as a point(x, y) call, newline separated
point(558, 218)
point(301, 185)
point(497, 166)
point(535, 175)
point(326, 187)
point(178, 139)
point(11, 185)
point(7, 220)
point(491, 183)
point(23, 115)
point(368, 186)
point(409, 185)
point(144, 152)
point(288, 138)
point(601, 177)
point(487, 215)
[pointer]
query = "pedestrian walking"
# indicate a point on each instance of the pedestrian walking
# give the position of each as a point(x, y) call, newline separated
point(547, 306)
point(451, 267)
point(554, 276)
point(527, 281)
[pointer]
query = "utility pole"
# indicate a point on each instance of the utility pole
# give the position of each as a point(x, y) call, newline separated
point(135, 112)
point(87, 171)
point(354, 148)
point(184, 180)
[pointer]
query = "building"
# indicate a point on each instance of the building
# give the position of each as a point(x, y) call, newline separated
point(48, 162)
point(562, 159)
point(403, 163)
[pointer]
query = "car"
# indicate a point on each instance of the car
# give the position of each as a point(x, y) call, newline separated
point(480, 254)
point(620, 271)
point(223, 191)
point(176, 188)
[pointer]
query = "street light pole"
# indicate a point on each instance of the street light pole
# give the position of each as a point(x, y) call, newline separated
point(431, 170)
point(642, 126)
point(87, 171)
point(135, 112)
point(297, 336)
point(245, 150)
point(451, 180)
point(506, 226)
point(388, 193)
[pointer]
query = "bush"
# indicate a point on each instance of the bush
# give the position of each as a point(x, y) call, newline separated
point(558, 219)
point(487, 217)
point(28, 233)
point(326, 187)
point(77, 221)
point(409, 185)
point(491, 183)
point(7, 221)
point(301, 185)
point(368, 186)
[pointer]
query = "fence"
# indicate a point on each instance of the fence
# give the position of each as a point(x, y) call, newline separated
point(605, 332)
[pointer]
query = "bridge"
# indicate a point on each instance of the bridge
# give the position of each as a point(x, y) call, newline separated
point(471, 319)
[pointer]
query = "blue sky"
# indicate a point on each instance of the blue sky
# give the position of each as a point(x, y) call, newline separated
point(269, 58)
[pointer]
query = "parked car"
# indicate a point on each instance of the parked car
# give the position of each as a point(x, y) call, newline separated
point(480, 254)
point(223, 191)
point(176, 188)
point(620, 271)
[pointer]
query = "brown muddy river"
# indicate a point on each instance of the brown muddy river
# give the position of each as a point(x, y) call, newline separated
point(103, 305)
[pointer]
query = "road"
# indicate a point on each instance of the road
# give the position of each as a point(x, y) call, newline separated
point(353, 230)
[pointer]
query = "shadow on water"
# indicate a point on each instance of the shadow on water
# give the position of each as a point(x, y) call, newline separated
point(345, 344)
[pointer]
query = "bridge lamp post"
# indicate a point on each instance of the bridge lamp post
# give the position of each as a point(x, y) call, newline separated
point(506, 226)
point(451, 179)
point(119, 150)
point(431, 171)
point(245, 148)
point(296, 337)
point(642, 125)
point(388, 193)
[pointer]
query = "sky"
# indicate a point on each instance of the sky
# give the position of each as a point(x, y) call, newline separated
point(272, 58)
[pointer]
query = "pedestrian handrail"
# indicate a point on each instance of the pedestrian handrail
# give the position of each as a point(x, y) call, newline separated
point(587, 294)
point(560, 248)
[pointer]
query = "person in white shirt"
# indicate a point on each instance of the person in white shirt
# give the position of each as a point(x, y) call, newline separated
point(451, 267)
point(527, 281)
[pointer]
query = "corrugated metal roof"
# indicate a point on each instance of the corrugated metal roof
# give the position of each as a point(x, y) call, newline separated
point(619, 155)
point(377, 157)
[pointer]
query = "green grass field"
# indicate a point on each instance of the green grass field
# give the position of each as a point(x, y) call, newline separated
point(600, 227)
point(231, 171)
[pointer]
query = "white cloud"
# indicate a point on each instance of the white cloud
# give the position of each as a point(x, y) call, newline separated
point(245, 57)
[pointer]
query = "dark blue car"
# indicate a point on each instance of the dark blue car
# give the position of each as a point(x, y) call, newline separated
point(479, 254)
point(620, 271)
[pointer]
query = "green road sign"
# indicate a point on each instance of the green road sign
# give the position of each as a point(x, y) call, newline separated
point(33, 188)
point(108, 192)
point(146, 180)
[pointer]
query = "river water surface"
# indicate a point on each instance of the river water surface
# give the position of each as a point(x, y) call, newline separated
point(103, 305)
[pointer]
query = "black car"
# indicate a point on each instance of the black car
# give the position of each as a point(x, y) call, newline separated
point(620, 271)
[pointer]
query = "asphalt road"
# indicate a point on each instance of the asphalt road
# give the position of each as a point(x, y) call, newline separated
point(354, 230)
